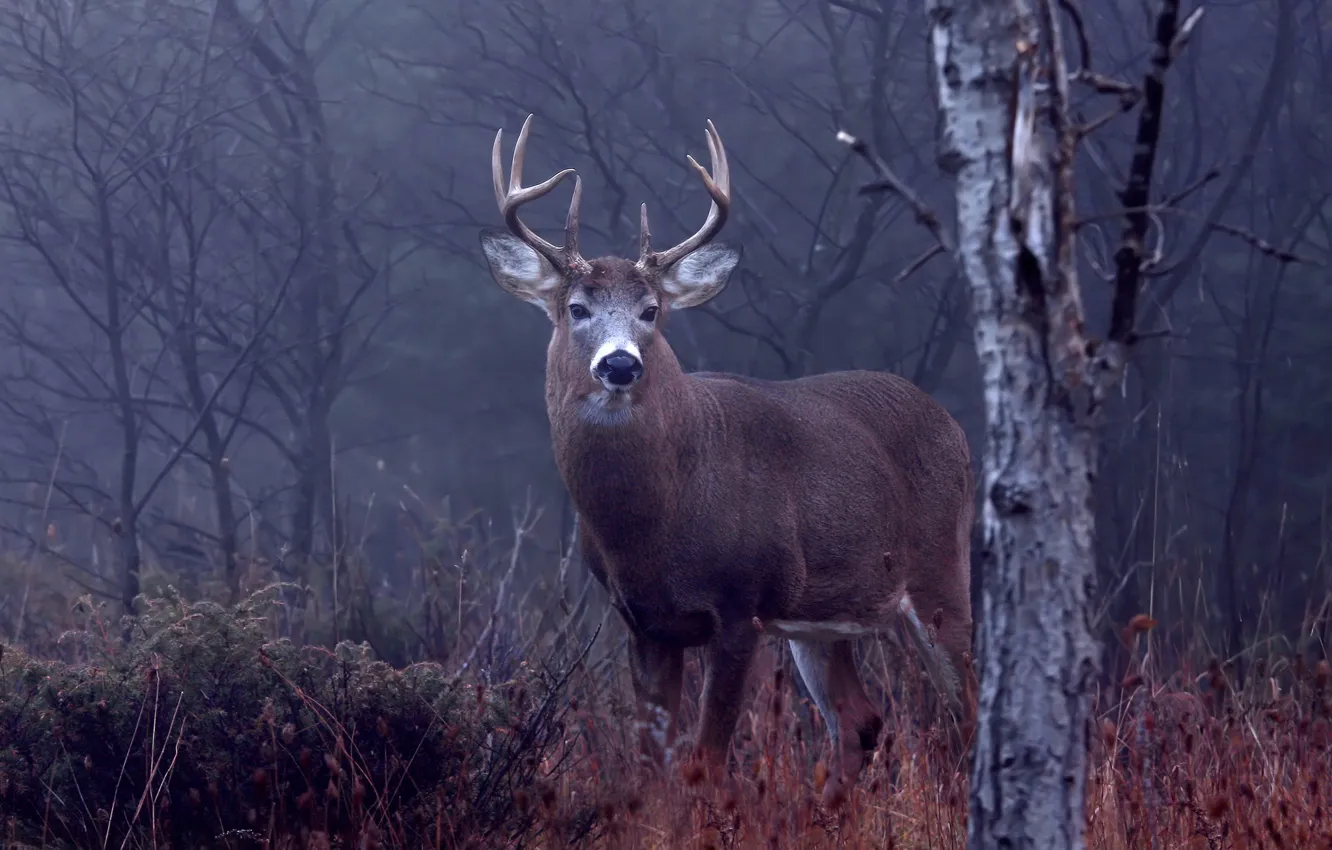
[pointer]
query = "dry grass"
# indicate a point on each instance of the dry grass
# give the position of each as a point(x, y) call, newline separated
point(1171, 767)
point(770, 799)
point(215, 729)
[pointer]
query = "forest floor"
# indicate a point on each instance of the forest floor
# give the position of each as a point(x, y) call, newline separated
point(206, 731)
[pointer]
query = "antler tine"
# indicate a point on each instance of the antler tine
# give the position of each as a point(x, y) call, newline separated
point(565, 258)
point(718, 184)
point(571, 220)
point(644, 235)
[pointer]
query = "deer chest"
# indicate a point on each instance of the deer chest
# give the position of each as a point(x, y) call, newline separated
point(658, 607)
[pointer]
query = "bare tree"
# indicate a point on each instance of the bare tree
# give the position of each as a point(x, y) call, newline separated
point(318, 198)
point(1010, 141)
point(98, 192)
point(620, 89)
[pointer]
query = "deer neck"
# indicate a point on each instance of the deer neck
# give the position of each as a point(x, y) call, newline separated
point(626, 478)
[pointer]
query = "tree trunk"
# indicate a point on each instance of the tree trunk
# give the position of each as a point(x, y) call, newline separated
point(219, 470)
point(1036, 655)
point(126, 527)
point(185, 341)
point(312, 484)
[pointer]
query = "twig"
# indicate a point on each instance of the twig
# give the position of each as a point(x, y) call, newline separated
point(872, 14)
point(1269, 103)
point(1090, 127)
point(890, 182)
point(1254, 241)
point(1079, 32)
point(149, 795)
point(1179, 196)
point(1100, 83)
point(1261, 245)
point(1107, 85)
point(1182, 37)
point(917, 264)
point(521, 527)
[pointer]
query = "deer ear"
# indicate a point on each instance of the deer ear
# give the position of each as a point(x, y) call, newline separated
point(699, 276)
point(520, 270)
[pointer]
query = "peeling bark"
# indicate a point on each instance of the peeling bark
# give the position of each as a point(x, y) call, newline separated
point(1043, 383)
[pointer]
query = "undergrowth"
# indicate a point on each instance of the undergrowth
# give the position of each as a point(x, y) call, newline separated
point(204, 730)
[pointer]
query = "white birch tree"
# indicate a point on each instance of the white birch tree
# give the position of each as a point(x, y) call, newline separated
point(1007, 139)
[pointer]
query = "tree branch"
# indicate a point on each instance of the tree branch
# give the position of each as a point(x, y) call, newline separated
point(890, 182)
point(1137, 189)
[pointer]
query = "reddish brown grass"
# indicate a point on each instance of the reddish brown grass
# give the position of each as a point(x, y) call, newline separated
point(1169, 768)
point(1176, 761)
point(1191, 765)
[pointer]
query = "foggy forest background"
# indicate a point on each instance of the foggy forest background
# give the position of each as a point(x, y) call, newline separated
point(247, 333)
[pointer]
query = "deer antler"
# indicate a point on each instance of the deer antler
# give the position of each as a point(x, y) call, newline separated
point(719, 187)
point(565, 258)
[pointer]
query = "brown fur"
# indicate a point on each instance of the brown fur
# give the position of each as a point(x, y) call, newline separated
point(712, 506)
point(728, 498)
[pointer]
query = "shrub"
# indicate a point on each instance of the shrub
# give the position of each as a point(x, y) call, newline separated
point(202, 731)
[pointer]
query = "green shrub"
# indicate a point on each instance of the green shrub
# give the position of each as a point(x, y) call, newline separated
point(201, 731)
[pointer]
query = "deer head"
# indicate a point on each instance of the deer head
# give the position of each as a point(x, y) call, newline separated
point(607, 312)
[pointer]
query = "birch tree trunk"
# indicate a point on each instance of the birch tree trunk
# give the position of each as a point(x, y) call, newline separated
point(1037, 658)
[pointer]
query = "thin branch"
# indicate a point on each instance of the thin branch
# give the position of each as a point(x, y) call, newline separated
point(1178, 197)
point(1079, 32)
point(1102, 84)
point(890, 182)
point(241, 358)
point(872, 14)
point(1254, 241)
point(1269, 101)
point(917, 264)
point(1262, 246)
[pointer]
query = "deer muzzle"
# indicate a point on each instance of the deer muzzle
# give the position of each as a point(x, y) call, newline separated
point(619, 368)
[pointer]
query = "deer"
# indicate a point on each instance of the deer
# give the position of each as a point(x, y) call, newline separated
point(716, 508)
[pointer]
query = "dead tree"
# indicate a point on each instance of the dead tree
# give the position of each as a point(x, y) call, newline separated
point(101, 217)
point(316, 202)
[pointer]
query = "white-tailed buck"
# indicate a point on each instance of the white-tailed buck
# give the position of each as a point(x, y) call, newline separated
point(715, 507)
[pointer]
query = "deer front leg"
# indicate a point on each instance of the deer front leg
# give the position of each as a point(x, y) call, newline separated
point(727, 658)
point(657, 670)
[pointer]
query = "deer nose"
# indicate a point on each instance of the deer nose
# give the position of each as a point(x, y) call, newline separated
point(619, 368)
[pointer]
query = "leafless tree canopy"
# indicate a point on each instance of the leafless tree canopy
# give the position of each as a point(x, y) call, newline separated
point(247, 328)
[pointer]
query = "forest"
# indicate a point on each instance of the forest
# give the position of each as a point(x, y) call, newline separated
point(286, 559)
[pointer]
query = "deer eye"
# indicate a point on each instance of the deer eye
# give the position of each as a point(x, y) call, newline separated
point(649, 315)
point(578, 312)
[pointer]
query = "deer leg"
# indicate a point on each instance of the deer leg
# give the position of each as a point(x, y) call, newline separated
point(828, 670)
point(657, 671)
point(727, 660)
